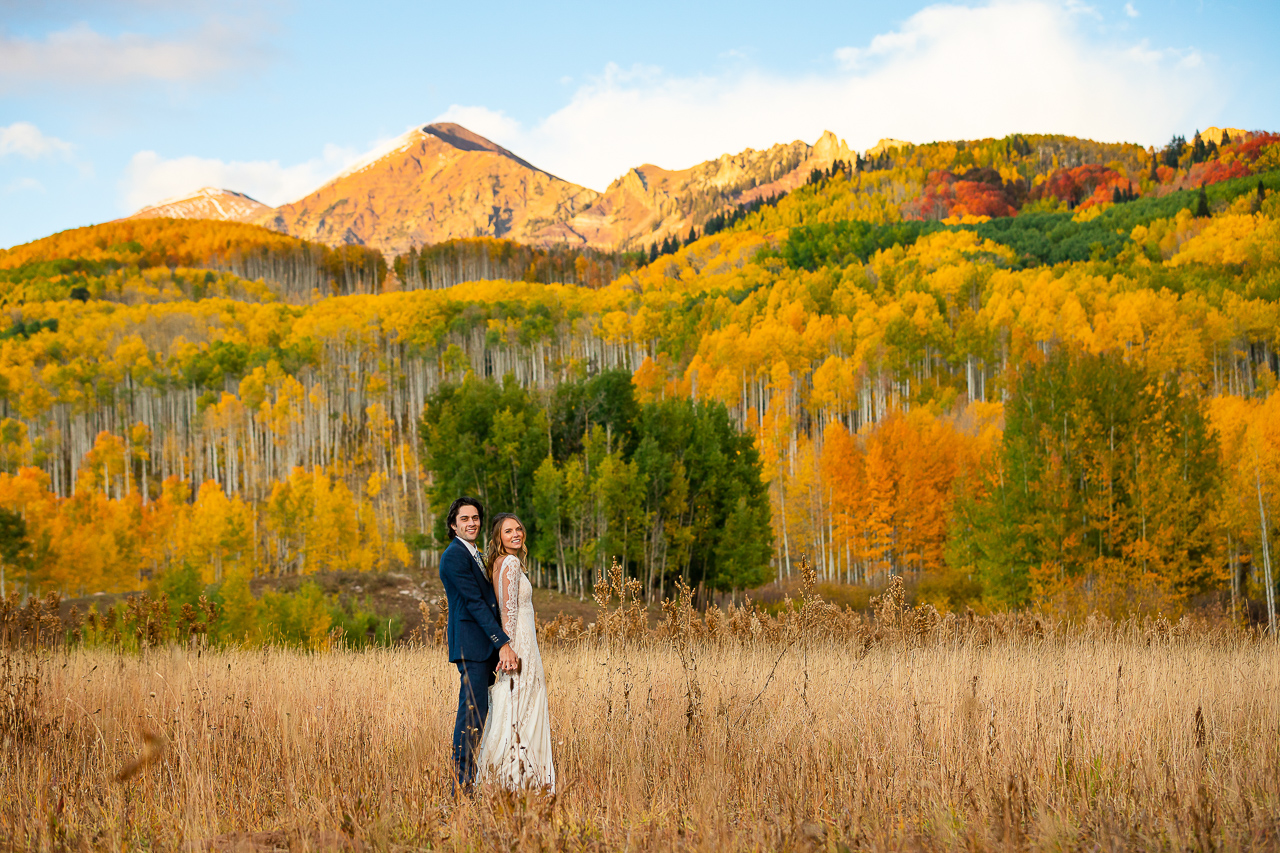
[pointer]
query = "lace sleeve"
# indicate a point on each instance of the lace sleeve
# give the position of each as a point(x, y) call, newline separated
point(508, 589)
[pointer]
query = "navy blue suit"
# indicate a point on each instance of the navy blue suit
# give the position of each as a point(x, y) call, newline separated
point(475, 636)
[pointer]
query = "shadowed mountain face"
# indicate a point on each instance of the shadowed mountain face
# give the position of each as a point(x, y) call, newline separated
point(441, 181)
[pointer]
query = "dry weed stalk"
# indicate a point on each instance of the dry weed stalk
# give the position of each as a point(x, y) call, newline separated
point(754, 732)
point(680, 617)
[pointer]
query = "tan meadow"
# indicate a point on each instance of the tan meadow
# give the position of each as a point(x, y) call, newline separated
point(815, 730)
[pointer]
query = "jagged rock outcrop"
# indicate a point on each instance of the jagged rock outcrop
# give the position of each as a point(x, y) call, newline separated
point(650, 203)
point(1214, 134)
point(884, 145)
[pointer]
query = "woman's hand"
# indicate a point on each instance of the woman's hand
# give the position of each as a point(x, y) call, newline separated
point(508, 660)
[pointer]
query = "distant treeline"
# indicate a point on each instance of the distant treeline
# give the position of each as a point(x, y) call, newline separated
point(104, 261)
point(487, 259)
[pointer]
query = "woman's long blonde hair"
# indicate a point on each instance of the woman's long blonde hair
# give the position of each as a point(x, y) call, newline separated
point(493, 550)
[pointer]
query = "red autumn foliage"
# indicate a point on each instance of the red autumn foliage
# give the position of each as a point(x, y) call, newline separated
point(975, 198)
point(1252, 147)
point(1208, 172)
point(978, 192)
point(1081, 185)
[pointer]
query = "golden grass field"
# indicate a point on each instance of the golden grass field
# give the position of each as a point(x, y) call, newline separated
point(717, 733)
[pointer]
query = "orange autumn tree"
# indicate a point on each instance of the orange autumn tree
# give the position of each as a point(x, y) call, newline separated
point(892, 486)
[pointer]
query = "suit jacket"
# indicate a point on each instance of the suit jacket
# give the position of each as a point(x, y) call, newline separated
point(475, 629)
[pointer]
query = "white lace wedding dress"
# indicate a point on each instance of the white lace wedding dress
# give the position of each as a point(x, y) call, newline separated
point(515, 748)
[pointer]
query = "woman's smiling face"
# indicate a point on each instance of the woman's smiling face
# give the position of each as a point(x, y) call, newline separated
point(512, 536)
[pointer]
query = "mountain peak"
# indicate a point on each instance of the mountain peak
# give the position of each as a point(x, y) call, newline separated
point(206, 203)
point(465, 140)
point(435, 182)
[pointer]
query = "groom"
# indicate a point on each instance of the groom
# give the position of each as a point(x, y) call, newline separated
point(477, 643)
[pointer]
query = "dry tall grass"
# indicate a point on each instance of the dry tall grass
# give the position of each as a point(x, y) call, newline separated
point(692, 738)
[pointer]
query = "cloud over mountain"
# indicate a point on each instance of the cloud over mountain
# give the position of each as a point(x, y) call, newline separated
point(948, 72)
point(151, 177)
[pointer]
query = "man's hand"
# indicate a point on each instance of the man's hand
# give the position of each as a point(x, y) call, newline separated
point(508, 660)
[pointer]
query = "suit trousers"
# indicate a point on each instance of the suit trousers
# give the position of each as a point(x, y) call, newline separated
point(473, 709)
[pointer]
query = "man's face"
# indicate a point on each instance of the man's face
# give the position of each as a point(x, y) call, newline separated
point(467, 524)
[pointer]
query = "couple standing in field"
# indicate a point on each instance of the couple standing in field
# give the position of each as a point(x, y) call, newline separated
point(502, 732)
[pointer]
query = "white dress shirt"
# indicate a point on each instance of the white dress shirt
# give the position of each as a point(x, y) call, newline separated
point(475, 553)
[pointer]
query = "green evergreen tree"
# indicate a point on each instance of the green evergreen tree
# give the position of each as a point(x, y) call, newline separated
point(1202, 205)
point(15, 548)
point(1198, 151)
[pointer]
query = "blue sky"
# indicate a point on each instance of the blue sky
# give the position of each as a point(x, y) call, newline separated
point(107, 105)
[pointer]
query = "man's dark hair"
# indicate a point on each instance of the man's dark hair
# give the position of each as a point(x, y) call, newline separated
point(453, 513)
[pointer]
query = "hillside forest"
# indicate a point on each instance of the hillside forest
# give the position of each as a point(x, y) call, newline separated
point(1029, 372)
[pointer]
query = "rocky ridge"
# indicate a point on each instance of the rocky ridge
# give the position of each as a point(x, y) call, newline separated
point(441, 181)
point(650, 203)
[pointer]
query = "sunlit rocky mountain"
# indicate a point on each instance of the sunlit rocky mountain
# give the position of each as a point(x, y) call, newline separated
point(441, 181)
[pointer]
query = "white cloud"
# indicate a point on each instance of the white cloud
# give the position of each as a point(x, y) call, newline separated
point(949, 72)
point(151, 178)
point(25, 139)
point(81, 57)
point(1079, 7)
point(1130, 10)
point(1142, 53)
point(27, 184)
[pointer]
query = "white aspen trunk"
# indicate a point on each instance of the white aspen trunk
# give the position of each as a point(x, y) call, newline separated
point(1266, 554)
point(834, 569)
point(1231, 567)
point(786, 544)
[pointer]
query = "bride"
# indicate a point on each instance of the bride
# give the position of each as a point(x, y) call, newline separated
point(515, 749)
